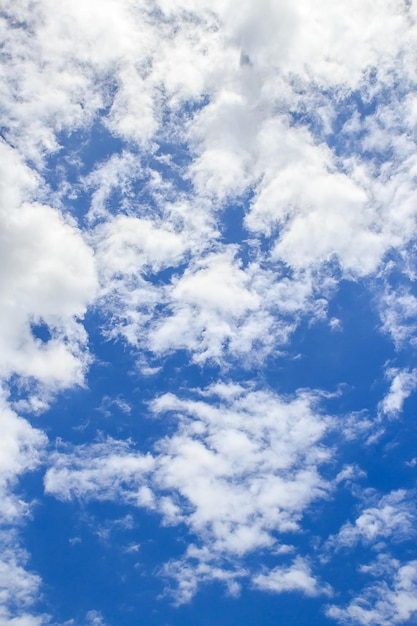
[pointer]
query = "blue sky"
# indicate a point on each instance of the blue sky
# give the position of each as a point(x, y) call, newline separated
point(208, 313)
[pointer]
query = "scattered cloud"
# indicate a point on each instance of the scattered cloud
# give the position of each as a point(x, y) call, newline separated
point(391, 600)
point(21, 450)
point(403, 384)
point(243, 441)
point(296, 578)
point(47, 280)
point(201, 178)
point(391, 518)
point(102, 471)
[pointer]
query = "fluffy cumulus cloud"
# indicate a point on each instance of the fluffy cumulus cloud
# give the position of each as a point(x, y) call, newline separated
point(47, 278)
point(255, 442)
point(390, 601)
point(402, 385)
point(19, 589)
point(21, 450)
point(297, 577)
point(217, 307)
point(213, 188)
point(247, 442)
point(105, 470)
point(384, 524)
point(392, 517)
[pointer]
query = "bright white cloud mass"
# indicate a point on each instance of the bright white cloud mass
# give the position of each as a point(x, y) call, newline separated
point(208, 309)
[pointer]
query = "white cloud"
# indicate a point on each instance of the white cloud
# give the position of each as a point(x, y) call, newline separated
point(398, 310)
point(17, 586)
point(47, 276)
point(21, 450)
point(240, 135)
point(19, 589)
point(214, 308)
point(102, 471)
point(321, 212)
point(131, 246)
point(265, 85)
point(118, 173)
point(336, 217)
point(242, 442)
point(403, 384)
point(73, 60)
point(257, 443)
point(297, 577)
point(130, 252)
point(391, 600)
point(94, 618)
point(213, 304)
point(391, 518)
point(196, 568)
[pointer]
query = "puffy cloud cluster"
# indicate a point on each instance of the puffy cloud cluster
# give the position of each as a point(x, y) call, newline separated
point(47, 277)
point(392, 517)
point(390, 601)
point(298, 116)
point(19, 589)
point(403, 383)
point(383, 524)
point(21, 450)
point(237, 442)
point(297, 577)
point(261, 111)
